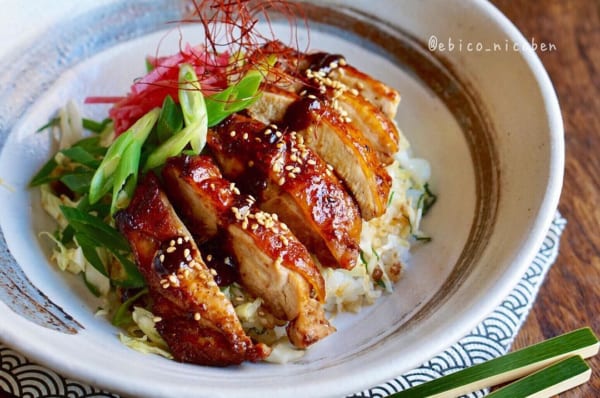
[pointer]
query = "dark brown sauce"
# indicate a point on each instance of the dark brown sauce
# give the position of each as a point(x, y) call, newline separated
point(173, 255)
point(323, 62)
point(217, 256)
point(300, 114)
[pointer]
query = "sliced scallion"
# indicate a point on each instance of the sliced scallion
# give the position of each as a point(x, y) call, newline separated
point(234, 98)
point(103, 179)
point(172, 147)
point(193, 106)
point(170, 120)
point(126, 177)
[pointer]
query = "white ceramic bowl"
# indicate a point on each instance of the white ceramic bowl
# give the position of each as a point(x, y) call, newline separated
point(481, 109)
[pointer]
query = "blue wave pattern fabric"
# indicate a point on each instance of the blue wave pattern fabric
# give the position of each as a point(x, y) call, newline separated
point(490, 339)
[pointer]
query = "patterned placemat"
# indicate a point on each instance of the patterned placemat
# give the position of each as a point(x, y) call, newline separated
point(491, 338)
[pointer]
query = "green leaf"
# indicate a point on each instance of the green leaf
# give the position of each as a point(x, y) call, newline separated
point(67, 235)
point(78, 181)
point(508, 367)
point(45, 176)
point(92, 232)
point(149, 66)
point(95, 126)
point(375, 253)
point(80, 155)
point(391, 197)
point(92, 226)
point(170, 120)
point(88, 246)
point(134, 278)
point(122, 315)
point(427, 199)
point(51, 123)
point(100, 209)
point(93, 289)
point(92, 146)
point(421, 238)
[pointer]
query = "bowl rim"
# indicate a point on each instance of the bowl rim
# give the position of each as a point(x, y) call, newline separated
point(540, 226)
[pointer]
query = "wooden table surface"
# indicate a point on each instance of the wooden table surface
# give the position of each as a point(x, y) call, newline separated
point(569, 297)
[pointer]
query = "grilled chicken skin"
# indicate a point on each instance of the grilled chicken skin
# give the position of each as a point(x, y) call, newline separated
point(289, 179)
point(183, 288)
point(336, 141)
point(378, 129)
point(366, 102)
point(273, 264)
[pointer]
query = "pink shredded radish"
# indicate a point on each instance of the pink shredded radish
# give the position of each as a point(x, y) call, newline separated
point(150, 91)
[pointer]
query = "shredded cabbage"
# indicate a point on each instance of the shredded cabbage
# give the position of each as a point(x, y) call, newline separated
point(142, 345)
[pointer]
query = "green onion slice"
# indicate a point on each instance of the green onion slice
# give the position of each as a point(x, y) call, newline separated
point(103, 179)
point(172, 147)
point(193, 106)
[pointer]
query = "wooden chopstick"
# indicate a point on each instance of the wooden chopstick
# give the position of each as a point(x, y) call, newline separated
point(548, 382)
point(509, 367)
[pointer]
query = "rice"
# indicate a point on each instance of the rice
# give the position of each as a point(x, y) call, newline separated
point(385, 241)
